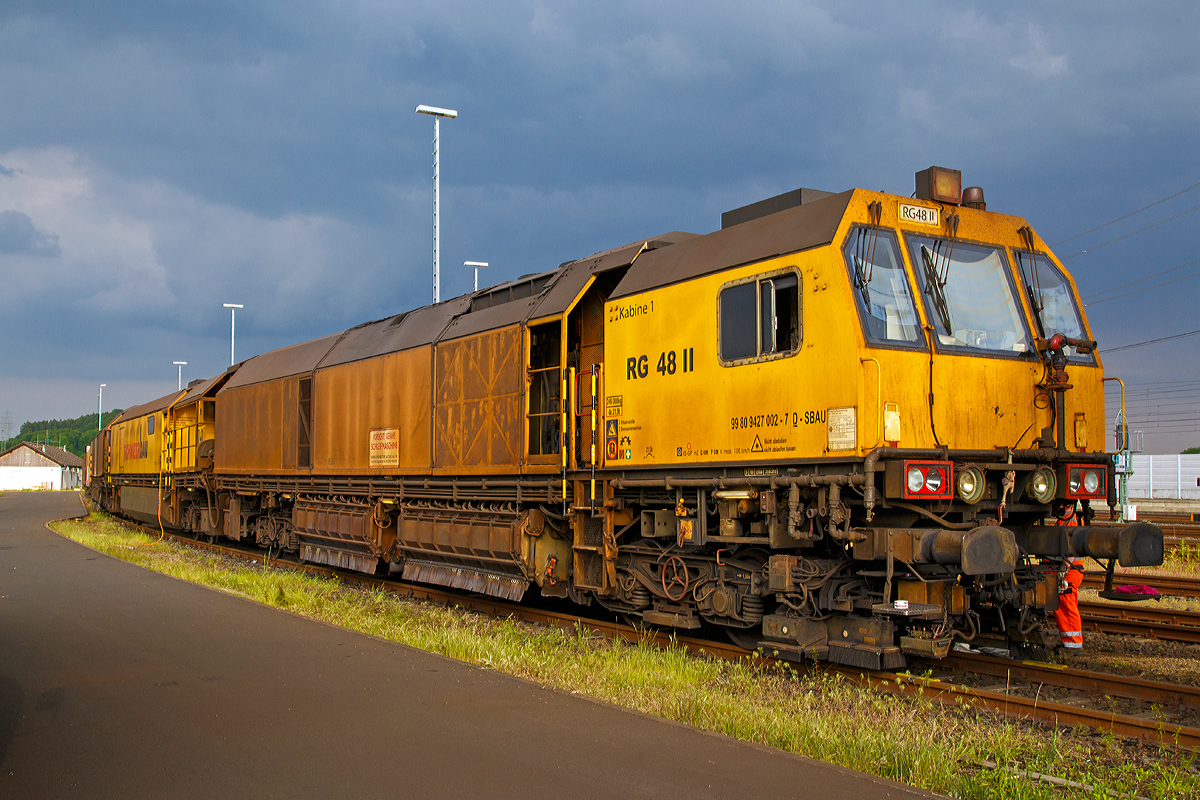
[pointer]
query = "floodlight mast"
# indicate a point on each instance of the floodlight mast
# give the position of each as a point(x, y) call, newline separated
point(233, 307)
point(100, 408)
point(437, 114)
point(181, 365)
point(477, 265)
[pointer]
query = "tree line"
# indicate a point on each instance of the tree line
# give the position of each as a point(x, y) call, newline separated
point(73, 434)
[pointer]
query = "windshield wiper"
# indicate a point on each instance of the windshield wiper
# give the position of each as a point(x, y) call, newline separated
point(934, 287)
point(864, 263)
point(1034, 295)
point(1033, 289)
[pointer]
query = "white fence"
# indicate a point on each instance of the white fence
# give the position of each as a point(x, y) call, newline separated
point(1165, 478)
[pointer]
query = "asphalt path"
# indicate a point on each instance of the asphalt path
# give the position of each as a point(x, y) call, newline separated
point(117, 682)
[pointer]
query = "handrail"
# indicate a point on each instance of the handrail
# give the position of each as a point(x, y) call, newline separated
point(563, 400)
point(1124, 419)
point(595, 402)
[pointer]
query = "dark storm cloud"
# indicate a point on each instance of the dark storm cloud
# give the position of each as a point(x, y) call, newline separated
point(19, 235)
point(268, 153)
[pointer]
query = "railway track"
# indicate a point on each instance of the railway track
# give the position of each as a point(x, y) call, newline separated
point(1165, 584)
point(1007, 702)
point(1150, 623)
point(1095, 684)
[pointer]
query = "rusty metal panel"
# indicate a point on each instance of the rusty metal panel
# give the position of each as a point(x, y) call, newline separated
point(480, 383)
point(283, 362)
point(810, 225)
point(488, 319)
point(205, 388)
point(483, 538)
point(342, 535)
point(415, 328)
point(351, 400)
point(289, 405)
point(255, 424)
point(477, 549)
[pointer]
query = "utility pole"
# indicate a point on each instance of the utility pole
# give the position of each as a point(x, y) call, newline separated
point(437, 114)
point(233, 307)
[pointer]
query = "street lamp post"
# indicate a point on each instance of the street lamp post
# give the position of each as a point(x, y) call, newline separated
point(233, 307)
point(476, 265)
point(181, 365)
point(100, 409)
point(437, 114)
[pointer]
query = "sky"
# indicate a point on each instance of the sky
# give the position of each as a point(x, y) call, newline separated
point(160, 159)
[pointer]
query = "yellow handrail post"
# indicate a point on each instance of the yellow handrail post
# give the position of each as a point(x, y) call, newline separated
point(595, 368)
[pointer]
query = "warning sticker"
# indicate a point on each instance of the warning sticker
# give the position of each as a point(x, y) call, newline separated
point(611, 451)
point(757, 446)
point(385, 447)
point(842, 428)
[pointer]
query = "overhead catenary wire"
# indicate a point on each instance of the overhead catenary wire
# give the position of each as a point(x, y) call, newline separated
point(1163, 408)
point(1141, 280)
point(1127, 216)
point(1133, 233)
point(1146, 289)
point(1152, 341)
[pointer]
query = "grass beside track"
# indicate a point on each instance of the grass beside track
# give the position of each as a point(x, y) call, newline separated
point(913, 741)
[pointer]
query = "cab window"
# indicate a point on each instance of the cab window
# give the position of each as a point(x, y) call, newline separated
point(881, 289)
point(1051, 301)
point(969, 298)
point(150, 425)
point(760, 317)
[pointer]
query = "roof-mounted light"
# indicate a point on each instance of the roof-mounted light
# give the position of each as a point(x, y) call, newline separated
point(940, 184)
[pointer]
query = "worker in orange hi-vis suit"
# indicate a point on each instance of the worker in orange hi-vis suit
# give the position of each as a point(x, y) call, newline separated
point(1070, 578)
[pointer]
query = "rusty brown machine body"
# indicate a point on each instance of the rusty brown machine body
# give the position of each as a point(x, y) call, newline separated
point(813, 428)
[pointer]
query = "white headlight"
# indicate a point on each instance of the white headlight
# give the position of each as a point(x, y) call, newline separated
point(933, 481)
point(1043, 485)
point(916, 479)
point(1091, 481)
point(970, 485)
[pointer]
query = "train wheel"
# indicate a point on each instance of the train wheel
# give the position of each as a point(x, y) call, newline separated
point(745, 638)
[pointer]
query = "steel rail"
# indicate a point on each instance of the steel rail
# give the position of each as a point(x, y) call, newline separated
point(1054, 713)
point(1151, 623)
point(900, 684)
point(1165, 584)
point(1067, 677)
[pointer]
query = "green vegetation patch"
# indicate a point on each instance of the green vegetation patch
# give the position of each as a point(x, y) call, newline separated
point(911, 740)
point(73, 434)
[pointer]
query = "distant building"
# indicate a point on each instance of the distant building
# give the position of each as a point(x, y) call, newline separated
point(39, 466)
